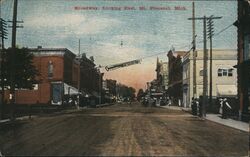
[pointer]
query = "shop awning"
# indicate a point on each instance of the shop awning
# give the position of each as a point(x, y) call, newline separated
point(226, 90)
point(70, 90)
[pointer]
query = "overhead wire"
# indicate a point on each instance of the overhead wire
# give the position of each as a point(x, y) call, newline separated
point(160, 53)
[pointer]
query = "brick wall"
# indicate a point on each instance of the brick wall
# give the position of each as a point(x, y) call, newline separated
point(43, 94)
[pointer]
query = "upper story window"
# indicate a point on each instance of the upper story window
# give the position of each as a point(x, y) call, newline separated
point(50, 69)
point(225, 72)
point(230, 72)
point(201, 72)
point(219, 72)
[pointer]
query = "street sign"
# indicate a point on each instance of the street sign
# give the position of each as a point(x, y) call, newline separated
point(120, 65)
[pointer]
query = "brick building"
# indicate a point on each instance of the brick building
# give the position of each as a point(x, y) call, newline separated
point(58, 76)
point(110, 90)
point(175, 75)
point(243, 65)
point(162, 74)
point(91, 77)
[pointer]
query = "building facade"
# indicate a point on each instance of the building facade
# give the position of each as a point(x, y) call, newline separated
point(224, 75)
point(175, 76)
point(56, 77)
point(62, 75)
point(243, 64)
point(162, 74)
point(90, 77)
point(110, 90)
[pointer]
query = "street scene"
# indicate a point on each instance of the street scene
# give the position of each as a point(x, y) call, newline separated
point(124, 78)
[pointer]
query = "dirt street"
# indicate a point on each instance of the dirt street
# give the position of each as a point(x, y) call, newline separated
point(122, 129)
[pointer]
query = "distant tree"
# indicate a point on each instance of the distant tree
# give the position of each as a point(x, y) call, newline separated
point(140, 94)
point(126, 92)
point(24, 70)
point(132, 92)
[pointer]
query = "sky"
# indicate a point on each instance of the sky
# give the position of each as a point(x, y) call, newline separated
point(115, 36)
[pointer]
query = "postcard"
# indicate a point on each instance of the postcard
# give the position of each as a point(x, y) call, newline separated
point(124, 77)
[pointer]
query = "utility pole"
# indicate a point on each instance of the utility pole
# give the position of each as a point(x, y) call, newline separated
point(79, 47)
point(210, 34)
point(14, 21)
point(3, 34)
point(205, 59)
point(194, 54)
point(79, 73)
point(204, 96)
point(3, 31)
point(12, 68)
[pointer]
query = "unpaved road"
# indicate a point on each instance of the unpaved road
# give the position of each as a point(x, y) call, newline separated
point(122, 130)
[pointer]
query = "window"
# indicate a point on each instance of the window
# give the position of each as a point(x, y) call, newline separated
point(225, 72)
point(201, 72)
point(230, 72)
point(50, 69)
point(219, 72)
point(35, 87)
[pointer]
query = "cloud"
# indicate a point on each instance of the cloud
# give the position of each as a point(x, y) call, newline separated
point(76, 24)
point(112, 53)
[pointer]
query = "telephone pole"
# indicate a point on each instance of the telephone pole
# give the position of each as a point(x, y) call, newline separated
point(79, 73)
point(194, 53)
point(12, 69)
point(79, 47)
point(205, 59)
point(3, 34)
point(12, 62)
point(204, 96)
point(3, 31)
point(210, 35)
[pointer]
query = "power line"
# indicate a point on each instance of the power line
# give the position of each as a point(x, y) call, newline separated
point(223, 30)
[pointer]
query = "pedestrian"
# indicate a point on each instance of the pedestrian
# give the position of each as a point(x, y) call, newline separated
point(200, 106)
point(225, 108)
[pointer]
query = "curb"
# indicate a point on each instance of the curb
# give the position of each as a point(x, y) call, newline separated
point(17, 119)
point(241, 129)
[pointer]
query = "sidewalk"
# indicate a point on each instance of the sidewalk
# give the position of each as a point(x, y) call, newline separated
point(177, 108)
point(228, 122)
point(19, 118)
point(216, 118)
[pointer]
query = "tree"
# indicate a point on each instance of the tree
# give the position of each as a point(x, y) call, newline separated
point(140, 94)
point(25, 71)
point(126, 92)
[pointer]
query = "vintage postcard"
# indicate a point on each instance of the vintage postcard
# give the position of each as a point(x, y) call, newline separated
point(124, 77)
